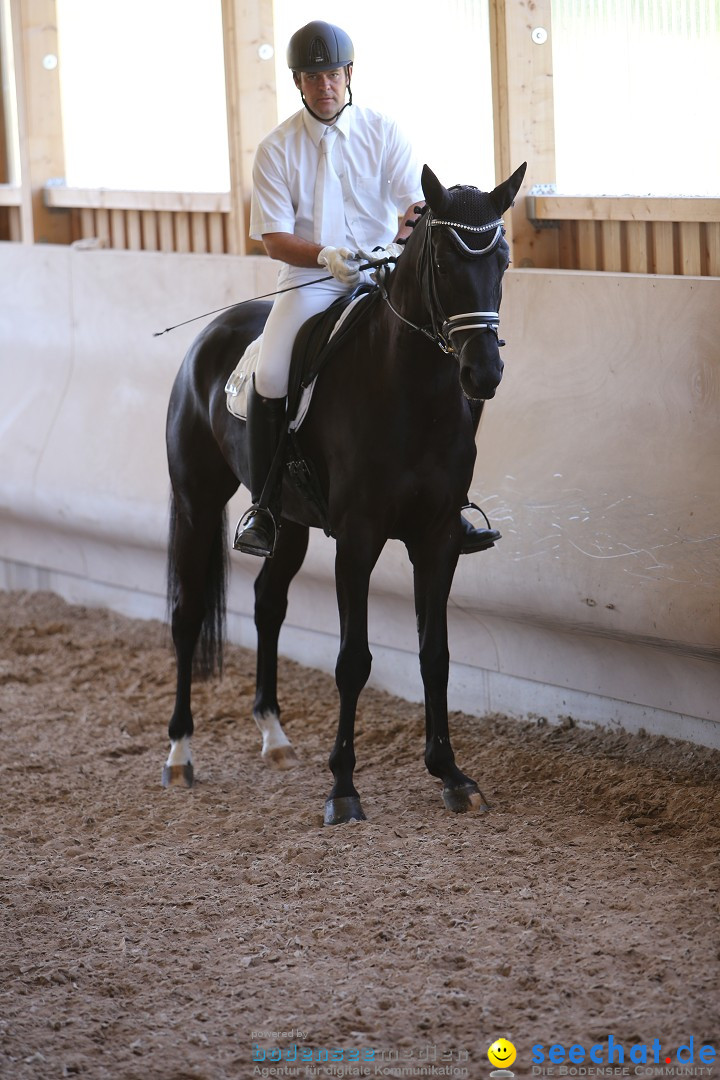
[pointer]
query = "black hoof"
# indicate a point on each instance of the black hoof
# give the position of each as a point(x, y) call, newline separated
point(463, 799)
point(338, 811)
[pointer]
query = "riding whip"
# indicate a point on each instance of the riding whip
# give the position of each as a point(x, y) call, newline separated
point(371, 265)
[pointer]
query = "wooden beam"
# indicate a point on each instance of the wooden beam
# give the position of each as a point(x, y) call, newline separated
point(6, 93)
point(10, 195)
point(39, 118)
point(16, 115)
point(547, 208)
point(106, 199)
point(521, 55)
point(251, 104)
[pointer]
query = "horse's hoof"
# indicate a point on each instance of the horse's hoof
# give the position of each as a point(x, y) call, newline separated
point(178, 775)
point(338, 811)
point(465, 798)
point(280, 757)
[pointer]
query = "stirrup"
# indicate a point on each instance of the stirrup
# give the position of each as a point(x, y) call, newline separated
point(476, 539)
point(256, 532)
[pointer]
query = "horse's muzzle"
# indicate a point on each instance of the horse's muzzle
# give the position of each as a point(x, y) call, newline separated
point(481, 368)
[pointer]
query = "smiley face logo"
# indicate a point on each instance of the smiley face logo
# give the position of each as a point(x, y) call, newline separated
point(502, 1053)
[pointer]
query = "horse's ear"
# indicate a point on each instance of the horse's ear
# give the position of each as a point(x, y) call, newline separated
point(436, 196)
point(504, 194)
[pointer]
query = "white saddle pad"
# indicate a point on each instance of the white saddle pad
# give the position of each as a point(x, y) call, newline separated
point(237, 386)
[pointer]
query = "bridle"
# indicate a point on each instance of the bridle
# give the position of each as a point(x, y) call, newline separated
point(442, 327)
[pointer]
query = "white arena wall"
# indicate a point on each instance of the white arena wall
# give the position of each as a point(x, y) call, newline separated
point(598, 460)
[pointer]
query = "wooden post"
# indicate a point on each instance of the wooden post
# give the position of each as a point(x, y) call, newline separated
point(251, 105)
point(521, 54)
point(37, 83)
point(6, 94)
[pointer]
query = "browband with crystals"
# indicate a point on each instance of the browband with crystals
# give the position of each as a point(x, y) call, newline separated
point(470, 228)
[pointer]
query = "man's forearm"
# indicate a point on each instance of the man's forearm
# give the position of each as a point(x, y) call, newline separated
point(288, 248)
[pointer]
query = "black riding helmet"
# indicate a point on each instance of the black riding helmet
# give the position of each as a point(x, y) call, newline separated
point(320, 46)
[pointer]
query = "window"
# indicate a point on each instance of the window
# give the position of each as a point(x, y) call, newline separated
point(635, 85)
point(143, 94)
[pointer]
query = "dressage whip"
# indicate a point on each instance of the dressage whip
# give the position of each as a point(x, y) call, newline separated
point(372, 265)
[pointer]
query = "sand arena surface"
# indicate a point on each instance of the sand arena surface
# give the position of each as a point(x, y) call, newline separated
point(148, 933)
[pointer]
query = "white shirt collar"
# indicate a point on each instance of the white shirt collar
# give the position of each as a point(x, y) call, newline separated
point(316, 129)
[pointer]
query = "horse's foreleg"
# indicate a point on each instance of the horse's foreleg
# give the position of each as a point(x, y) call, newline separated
point(433, 574)
point(356, 557)
point(271, 591)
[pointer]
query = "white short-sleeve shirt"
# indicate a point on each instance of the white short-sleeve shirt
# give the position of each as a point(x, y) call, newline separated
point(379, 176)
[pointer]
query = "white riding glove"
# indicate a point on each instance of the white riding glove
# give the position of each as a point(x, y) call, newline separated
point(341, 263)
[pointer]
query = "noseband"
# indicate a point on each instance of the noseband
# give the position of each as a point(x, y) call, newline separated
point(442, 327)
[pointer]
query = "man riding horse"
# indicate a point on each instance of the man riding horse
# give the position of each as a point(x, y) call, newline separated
point(328, 185)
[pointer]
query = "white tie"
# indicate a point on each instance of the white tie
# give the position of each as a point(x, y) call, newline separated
point(328, 209)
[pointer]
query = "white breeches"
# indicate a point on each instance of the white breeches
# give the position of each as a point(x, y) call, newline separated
point(289, 312)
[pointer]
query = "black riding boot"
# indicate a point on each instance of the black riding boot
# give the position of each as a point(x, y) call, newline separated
point(256, 532)
point(476, 539)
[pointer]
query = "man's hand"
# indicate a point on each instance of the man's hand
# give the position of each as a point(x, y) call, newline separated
point(341, 263)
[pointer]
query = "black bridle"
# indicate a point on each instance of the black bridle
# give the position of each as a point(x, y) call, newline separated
point(442, 326)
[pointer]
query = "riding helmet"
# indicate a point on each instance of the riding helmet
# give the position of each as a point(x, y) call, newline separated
point(319, 46)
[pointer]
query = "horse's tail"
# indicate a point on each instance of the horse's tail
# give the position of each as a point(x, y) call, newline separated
point(208, 657)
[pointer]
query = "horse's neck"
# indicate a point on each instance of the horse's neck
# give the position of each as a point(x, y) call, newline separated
point(404, 291)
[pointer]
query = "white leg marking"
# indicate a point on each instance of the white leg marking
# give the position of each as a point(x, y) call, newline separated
point(180, 752)
point(277, 749)
point(178, 771)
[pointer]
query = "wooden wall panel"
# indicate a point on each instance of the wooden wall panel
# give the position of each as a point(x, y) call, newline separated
point(711, 249)
point(198, 226)
point(133, 230)
point(612, 246)
point(587, 246)
point(690, 257)
point(663, 248)
point(638, 255)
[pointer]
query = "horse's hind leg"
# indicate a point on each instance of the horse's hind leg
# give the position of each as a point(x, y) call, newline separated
point(271, 590)
point(434, 567)
point(197, 569)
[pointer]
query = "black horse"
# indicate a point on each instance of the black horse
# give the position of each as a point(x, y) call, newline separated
point(391, 435)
